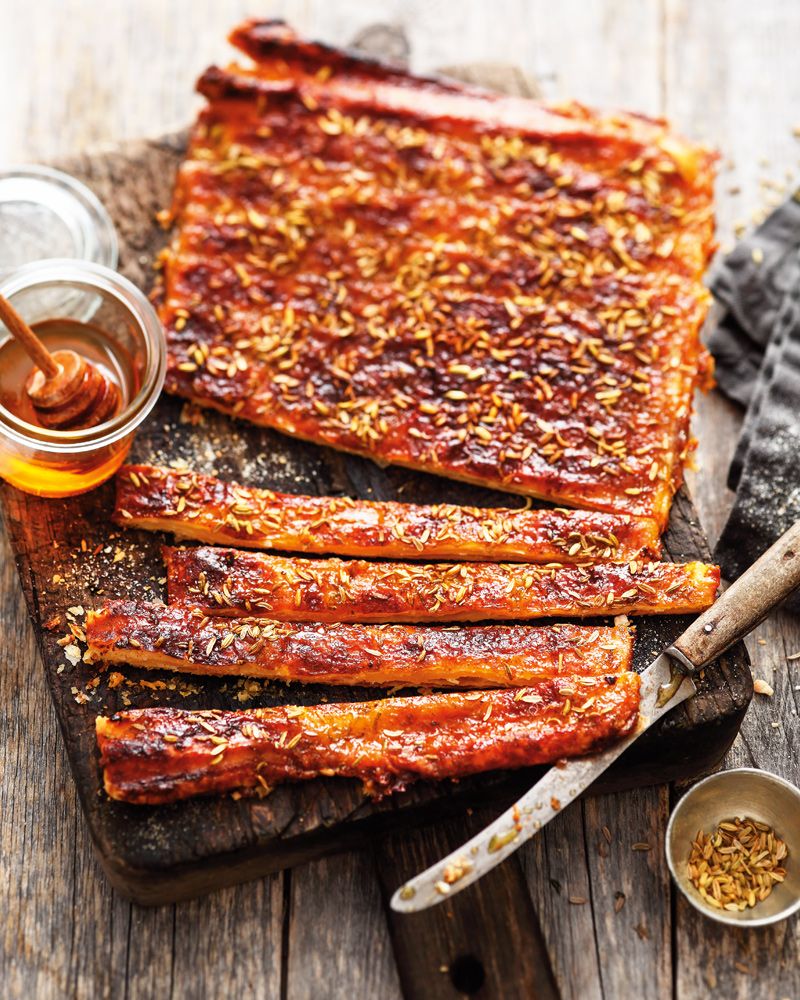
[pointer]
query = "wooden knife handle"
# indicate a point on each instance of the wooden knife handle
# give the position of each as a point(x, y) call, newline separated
point(745, 603)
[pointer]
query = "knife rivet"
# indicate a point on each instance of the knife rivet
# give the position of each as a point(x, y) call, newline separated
point(708, 628)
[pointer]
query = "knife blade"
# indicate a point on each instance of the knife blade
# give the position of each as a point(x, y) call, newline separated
point(562, 784)
point(665, 684)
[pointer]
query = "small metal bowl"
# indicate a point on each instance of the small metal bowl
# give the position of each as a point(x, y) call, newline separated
point(744, 792)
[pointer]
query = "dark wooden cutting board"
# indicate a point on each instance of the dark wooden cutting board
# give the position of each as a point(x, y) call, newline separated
point(70, 555)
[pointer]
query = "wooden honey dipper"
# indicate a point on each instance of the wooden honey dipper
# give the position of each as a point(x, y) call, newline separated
point(67, 391)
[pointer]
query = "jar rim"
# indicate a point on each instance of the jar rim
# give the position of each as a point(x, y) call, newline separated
point(69, 201)
point(90, 276)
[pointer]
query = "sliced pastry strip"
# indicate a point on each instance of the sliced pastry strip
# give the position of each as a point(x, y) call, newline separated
point(235, 582)
point(184, 639)
point(191, 505)
point(158, 755)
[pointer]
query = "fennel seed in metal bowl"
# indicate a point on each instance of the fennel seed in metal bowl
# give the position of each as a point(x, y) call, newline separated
point(738, 865)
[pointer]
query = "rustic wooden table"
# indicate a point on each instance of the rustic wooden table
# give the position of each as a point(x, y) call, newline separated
point(76, 72)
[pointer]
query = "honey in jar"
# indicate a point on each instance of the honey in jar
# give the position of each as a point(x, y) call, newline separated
point(111, 326)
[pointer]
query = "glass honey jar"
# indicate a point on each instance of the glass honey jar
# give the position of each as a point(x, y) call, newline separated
point(88, 308)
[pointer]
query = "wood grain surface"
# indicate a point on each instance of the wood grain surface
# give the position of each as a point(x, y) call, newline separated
point(76, 72)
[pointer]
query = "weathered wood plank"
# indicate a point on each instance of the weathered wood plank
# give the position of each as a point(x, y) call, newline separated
point(634, 942)
point(556, 868)
point(576, 870)
point(59, 912)
point(604, 54)
point(485, 942)
point(230, 944)
point(337, 935)
point(731, 77)
point(149, 964)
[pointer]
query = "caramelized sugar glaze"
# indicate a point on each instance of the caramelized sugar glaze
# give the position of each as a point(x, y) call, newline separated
point(431, 275)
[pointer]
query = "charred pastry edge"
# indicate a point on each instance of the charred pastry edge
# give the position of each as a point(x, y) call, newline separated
point(155, 498)
point(273, 41)
point(181, 640)
point(264, 39)
point(432, 104)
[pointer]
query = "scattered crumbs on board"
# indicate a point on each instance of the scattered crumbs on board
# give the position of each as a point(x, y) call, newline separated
point(72, 653)
point(218, 448)
point(130, 686)
point(247, 688)
point(73, 644)
point(192, 414)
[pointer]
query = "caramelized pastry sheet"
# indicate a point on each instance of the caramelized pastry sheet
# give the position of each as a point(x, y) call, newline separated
point(478, 286)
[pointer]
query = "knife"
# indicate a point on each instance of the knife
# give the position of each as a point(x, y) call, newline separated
point(664, 684)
